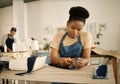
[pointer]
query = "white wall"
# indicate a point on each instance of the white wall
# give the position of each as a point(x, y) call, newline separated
point(106, 11)
point(14, 16)
point(47, 13)
point(6, 20)
point(19, 18)
point(54, 13)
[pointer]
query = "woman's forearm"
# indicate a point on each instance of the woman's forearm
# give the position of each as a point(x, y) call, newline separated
point(55, 60)
point(9, 50)
point(86, 61)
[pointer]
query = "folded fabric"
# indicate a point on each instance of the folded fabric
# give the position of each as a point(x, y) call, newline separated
point(101, 72)
point(3, 65)
point(34, 63)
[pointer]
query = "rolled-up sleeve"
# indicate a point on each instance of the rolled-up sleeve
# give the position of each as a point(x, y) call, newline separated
point(88, 41)
point(55, 42)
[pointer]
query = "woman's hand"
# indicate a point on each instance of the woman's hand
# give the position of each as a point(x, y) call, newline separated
point(9, 50)
point(85, 58)
point(81, 63)
point(65, 62)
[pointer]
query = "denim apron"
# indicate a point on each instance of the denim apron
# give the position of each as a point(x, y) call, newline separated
point(74, 50)
point(9, 42)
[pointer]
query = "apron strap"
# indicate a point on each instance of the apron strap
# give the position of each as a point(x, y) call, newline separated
point(63, 39)
point(79, 39)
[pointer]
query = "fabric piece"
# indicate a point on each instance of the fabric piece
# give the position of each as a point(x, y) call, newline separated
point(30, 65)
point(1, 48)
point(4, 65)
point(101, 72)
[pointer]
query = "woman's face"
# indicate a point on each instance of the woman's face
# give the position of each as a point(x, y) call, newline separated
point(74, 28)
point(12, 33)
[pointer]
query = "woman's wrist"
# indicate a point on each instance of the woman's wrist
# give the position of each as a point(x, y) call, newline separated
point(54, 60)
point(60, 61)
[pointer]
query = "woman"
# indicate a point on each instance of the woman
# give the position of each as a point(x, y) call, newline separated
point(8, 39)
point(74, 43)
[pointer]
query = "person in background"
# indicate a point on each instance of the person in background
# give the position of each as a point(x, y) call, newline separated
point(8, 39)
point(74, 43)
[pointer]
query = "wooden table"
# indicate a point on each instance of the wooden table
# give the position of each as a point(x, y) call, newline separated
point(53, 74)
